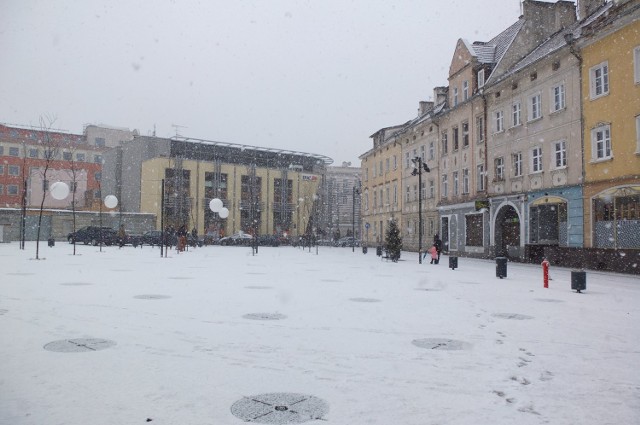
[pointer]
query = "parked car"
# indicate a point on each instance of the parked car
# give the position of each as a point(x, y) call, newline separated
point(268, 240)
point(94, 235)
point(237, 239)
point(151, 237)
point(347, 241)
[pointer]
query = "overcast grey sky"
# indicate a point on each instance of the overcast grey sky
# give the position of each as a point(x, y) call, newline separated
point(314, 76)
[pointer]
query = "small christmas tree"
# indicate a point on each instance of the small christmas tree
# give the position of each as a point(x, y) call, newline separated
point(393, 241)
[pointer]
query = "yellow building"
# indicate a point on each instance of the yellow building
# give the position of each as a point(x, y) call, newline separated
point(266, 191)
point(381, 185)
point(609, 48)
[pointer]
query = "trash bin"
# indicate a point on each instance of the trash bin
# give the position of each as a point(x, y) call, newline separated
point(578, 280)
point(453, 263)
point(501, 267)
point(364, 249)
point(379, 251)
point(51, 241)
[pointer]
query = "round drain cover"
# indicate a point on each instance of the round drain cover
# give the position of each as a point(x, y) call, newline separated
point(79, 345)
point(513, 316)
point(152, 297)
point(280, 408)
point(264, 316)
point(441, 344)
point(365, 300)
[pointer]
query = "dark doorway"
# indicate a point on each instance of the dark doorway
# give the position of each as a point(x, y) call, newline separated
point(507, 236)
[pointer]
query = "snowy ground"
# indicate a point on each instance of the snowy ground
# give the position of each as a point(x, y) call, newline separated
point(358, 340)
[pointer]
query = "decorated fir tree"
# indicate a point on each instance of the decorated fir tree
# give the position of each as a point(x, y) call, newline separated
point(393, 241)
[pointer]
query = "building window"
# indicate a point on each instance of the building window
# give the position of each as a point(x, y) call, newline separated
point(465, 134)
point(395, 162)
point(560, 154)
point(535, 104)
point(445, 186)
point(50, 154)
point(12, 189)
point(499, 121)
point(465, 90)
point(455, 96)
point(599, 80)
point(499, 168)
point(380, 169)
point(381, 200)
point(415, 192)
point(1, 150)
point(517, 164)
point(480, 178)
point(465, 181)
point(637, 135)
point(455, 137)
point(80, 157)
point(559, 99)
point(395, 194)
point(432, 150)
point(387, 163)
point(98, 176)
point(14, 151)
point(516, 113)
point(366, 174)
point(423, 153)
point(480, 128)
point(45, 185)
point(100, 142)
point(636, 64)
point(481, 78)
point(375, 198)
point(536, 160)
point(407, 197)
point(456, 190)
point(601, 142)
point(1, 190)
point(33, 153)
point(375, 170)
point(407, 160)
point(14, 170)
point(388, 195)
point(67, 156)
point(366, 201)
point(432, 189)
point(473, 230)
point(445, 143)
point(1, 170)
point(423, 190)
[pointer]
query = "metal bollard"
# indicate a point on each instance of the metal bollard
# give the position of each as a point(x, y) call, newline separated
point(545, 272)
point(501, 267)
point(453, 263)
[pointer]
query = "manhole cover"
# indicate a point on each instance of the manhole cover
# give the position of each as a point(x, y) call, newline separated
point(265, 316)
point(79, 345)
point(365, 300)
point(549, 300)
point(258, 287)
point(441, 344)
point(513, 316)
point(280, 408)
point(152, 297)
point(75, 284)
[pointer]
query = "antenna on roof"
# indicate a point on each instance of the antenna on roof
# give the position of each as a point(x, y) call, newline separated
point(177, 127)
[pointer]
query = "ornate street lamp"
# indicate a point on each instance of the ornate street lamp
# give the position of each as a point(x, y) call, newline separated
point(418, 167)
point(356, 191)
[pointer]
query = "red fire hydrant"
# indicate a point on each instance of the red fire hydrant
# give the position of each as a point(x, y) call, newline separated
point(545, 272)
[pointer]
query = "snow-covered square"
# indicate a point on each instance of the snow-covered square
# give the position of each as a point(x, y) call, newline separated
point(217, 335)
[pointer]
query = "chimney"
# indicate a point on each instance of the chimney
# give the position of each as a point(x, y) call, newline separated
point(587, 7)
point(548, 18)
point(424, 107)
point(440, 95)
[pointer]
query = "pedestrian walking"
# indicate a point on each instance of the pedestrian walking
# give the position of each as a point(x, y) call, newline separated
point(438, 244)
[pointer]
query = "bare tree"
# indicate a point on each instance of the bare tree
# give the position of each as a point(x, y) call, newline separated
point(73, 171)
point(50, 154)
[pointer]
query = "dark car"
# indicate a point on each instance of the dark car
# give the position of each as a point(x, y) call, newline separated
point(347, 241)
point(154, 237)
point(237, 239)
point(268, 240)
point(94, 235)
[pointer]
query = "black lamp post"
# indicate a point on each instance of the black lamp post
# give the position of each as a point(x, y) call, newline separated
point(418, 167)
point(356, 191)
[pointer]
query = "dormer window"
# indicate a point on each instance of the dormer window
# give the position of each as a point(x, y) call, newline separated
point(481, 78)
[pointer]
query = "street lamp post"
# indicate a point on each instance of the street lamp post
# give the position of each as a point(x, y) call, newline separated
point(356, 191)
point(418, 167)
